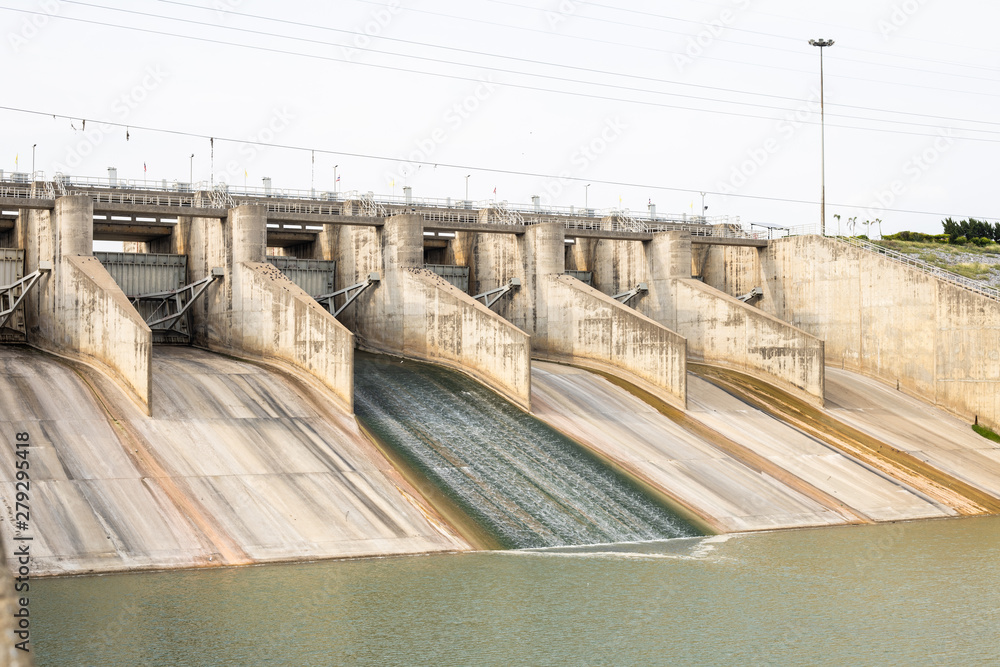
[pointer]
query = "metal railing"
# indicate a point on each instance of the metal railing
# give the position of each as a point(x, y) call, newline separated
point(193, 195)
point(924, 267)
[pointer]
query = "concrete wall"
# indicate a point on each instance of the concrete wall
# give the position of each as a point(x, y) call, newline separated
point(726, 332)
point(719, 329)
point(569, 321)
point(933, 339)
point(582, 326)
point(414, 313)
point(255, 311)
point(78, 310)
point(734, 270)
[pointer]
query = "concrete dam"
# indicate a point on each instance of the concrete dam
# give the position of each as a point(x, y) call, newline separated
point(278, 378)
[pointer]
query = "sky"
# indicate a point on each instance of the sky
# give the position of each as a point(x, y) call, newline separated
point(579, 103)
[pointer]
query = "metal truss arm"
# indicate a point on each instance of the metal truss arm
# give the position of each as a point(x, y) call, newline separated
point(755, 292)
point(12, 295)
point(498, 293)
point(625, 297)
point(351, 293)
point(174, 304)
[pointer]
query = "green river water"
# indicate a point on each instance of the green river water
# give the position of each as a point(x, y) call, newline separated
point(922, 593)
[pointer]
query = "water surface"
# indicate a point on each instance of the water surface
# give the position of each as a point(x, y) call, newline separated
point(924, 593)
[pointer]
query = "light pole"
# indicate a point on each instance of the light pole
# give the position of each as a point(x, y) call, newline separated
point(312, 175)
point(586, 192)
point(336, 183)
point(191, 171)
point(822, 43)
point(703, 207)
point(33, 161)
point(467, 187)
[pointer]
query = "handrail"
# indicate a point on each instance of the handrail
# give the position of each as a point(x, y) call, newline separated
point(924, 267)
point(195, 195)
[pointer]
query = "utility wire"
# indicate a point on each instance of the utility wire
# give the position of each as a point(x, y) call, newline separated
point(591, 41)
point(827, 26)
point(467, 167)
point(525, 60)
point(765, 34)
point(537, 88)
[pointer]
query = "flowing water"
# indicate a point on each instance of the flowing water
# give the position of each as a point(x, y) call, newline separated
point(522, 482)
point(922, 593)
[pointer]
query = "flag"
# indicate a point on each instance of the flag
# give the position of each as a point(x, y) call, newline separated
point(494, 190)
point(15, 160)
point(338, 179)
point(392, 183)
point(144, 167)
point(245, 174)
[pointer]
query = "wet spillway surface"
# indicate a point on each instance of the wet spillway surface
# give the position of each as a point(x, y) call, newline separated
point(520, 480)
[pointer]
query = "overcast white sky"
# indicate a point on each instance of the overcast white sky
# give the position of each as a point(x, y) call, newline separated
point(647, 101)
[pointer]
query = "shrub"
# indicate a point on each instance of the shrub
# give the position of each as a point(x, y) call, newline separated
point(982, 241)
point(961, 240)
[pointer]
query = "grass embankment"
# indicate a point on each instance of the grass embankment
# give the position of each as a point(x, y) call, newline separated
point(987, 433)
point(950, 257)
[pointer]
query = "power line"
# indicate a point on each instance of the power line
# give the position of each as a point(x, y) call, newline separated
point(520, 59)
point(517, 72)
point(827, 25)
point(750, 44)
point(533, 88)
point(770, 34)
point(592, 40)
point(467, 167)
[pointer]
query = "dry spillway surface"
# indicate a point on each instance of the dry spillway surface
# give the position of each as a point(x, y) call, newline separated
point(237, 464)
point(738, 468)
point(524, 483)
point(912, 426)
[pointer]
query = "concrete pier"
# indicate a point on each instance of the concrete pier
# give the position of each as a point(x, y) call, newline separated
point(415, 313)
point(719, 329)
point(77, 310)
point(257, 312)
point(569, 321)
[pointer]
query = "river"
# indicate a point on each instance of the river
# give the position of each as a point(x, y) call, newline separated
point(921, 593)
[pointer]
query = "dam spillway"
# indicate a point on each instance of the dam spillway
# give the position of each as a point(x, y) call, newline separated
point(241, 464)
point(245, 447)
point(525, 483)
